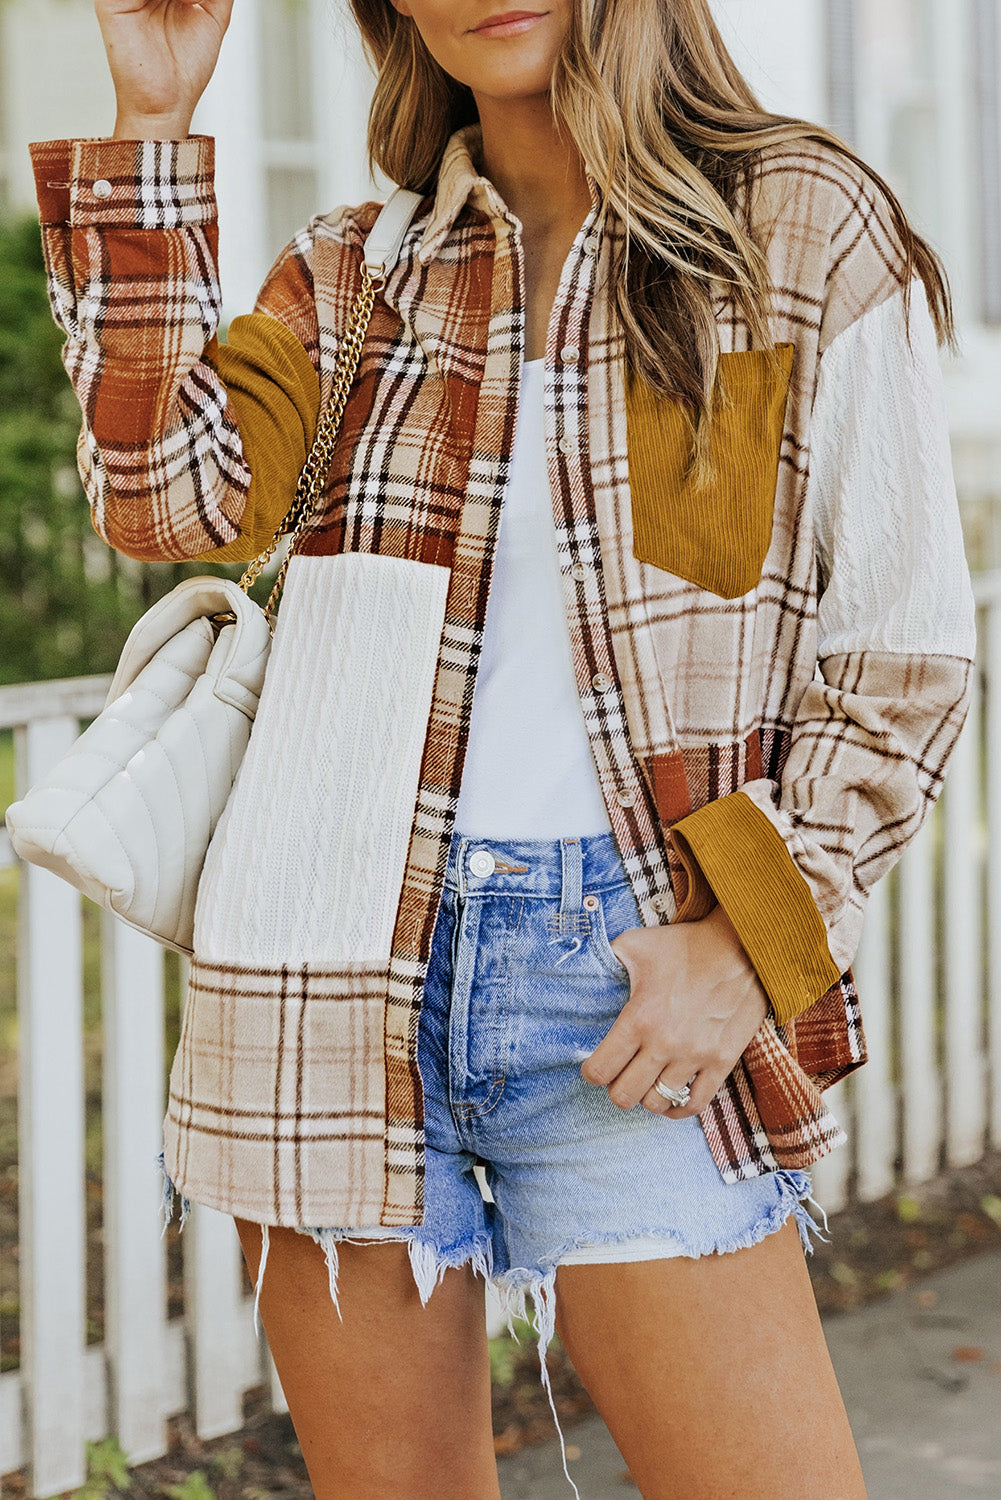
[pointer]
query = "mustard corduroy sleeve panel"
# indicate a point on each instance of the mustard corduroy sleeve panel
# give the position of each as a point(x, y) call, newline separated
point(718, 537)
point(741, 855)
point(275, 391)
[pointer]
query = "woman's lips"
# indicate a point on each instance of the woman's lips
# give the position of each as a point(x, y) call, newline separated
point(509, 23)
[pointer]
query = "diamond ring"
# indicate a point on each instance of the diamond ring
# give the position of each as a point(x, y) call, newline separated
point(673, 1096)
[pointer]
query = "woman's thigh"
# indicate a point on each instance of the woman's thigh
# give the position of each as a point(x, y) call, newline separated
point(713, 1373)
point(392, 1398)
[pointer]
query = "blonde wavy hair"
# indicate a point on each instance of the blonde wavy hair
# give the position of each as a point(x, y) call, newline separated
point(670, 130)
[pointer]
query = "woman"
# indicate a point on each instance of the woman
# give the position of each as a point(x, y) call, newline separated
point(589, 929)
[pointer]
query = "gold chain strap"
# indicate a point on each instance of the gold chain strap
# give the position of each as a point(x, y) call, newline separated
point(312, 480)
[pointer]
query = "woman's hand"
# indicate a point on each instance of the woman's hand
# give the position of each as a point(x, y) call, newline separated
point(162, 54)
point(694, 1004)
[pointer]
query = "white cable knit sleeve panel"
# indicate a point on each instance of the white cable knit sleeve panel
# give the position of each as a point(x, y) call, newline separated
point(893, 571)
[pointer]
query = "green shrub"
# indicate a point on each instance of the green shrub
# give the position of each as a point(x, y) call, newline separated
point(67, 600)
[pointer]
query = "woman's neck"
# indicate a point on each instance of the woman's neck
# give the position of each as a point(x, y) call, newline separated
point(539, 175)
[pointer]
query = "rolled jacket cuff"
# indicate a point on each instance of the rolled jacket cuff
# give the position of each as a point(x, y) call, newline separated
point(731, 850)
point(126, 184)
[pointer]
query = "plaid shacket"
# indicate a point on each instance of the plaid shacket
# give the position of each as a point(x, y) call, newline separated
point(747, 751)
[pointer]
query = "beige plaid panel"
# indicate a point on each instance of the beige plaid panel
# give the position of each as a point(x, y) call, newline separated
point(866, 762)
point(276, 1106)
point(587, 469)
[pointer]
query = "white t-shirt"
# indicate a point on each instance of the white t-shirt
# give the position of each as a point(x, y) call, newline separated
point(529, 771)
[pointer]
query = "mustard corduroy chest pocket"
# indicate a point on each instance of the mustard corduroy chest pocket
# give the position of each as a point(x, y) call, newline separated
point(719, 538)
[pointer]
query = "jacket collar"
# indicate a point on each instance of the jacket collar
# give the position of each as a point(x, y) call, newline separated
point(460, 181)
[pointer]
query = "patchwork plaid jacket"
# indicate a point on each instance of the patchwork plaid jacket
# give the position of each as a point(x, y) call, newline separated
point(772, 674)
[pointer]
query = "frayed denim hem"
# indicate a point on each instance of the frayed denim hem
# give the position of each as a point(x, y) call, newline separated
point(167, 1199)
point(427, 1262)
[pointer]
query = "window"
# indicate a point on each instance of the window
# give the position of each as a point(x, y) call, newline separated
point(288, 146)
point(841, 69)
point(986, 73)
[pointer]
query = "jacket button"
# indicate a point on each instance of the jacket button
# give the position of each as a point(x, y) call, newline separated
point(579, 572)
point(566, 445)
point(660, 903)
point(592, 244)
point(625, 796)
point(601, 682)
point(569, 354)
point(102, 188)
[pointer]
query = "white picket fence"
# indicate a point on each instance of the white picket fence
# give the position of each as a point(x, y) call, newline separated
point(930, 979)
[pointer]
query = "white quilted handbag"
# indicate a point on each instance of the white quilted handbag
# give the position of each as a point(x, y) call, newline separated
point(128, 812)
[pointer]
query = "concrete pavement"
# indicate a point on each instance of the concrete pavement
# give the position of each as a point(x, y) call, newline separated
point(921, 1376)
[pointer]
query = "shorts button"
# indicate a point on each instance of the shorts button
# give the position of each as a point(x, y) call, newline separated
point(601, 682)
point(482, 862)
point(590, 903)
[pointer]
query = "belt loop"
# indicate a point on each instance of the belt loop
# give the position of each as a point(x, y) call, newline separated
point(460, 867)
point(573, 876)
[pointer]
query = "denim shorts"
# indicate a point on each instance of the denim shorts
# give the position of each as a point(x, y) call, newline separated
point(527, 1166)
point(521, 987)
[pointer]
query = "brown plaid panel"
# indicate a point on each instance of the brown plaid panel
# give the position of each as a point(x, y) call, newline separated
point(400, 472)
point(687, 779)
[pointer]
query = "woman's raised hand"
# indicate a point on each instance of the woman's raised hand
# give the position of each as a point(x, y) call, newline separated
point(162, 54)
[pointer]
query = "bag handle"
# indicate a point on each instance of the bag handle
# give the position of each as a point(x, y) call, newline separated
point(382, 247)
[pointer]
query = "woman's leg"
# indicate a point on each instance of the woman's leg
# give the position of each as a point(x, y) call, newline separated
point(713, 1373)
point(393, 1401)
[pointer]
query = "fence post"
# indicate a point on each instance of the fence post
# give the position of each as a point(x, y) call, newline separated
point(832, 1173)
point(964, 1055)
point(992, 874)
point(51, 1166)
point(921, 1081)
point(135, 1281)
point(223, 1355)
point(875, 1096)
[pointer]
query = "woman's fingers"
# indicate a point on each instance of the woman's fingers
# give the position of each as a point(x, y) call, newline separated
point(636, 1080)
point(614, 1052)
